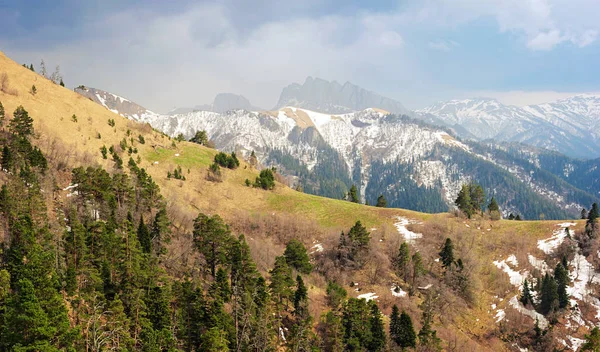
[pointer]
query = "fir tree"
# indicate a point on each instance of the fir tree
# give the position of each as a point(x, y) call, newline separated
point(403, 262)
point(297, 257)
point(381, 202)
point(561, 275)
point(477, 196)
point(378, 337)
point(211, 237)
point(143, 235)
point(583, 214)
point(7, 158)
point(526, 297)
point(2, 115)
point(281, 280)
point(592, 341)
point(200, 138)
point(21, 124)
point(463, 201)
point(353, 195)
point(549, 295)
point(447, 254)
point(62, 84)
point(418, 268)
point(404, 333)
point(493, 206)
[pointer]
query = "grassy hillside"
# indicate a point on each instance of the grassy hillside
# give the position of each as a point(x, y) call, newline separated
point(271, 218)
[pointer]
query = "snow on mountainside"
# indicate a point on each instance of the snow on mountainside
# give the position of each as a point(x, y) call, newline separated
point(570, 126)
point(117, 104)
point(381, 152)
point(331, 97)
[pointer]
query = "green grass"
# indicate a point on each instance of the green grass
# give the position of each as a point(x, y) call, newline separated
point(328, 212)
point(189, 156)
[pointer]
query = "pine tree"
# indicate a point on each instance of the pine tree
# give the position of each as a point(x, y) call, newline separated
point(62, 84)
point(333, 333)
point(7, 158)
point(406, 333)
point(592, 341)
point(381, 202)
point(526, 297)
point(211, 237)
point(2, 115)
point(143, 235)
point(418, 268)
point(477, 196)
point(281, 280)
point(583, 214)
point(200, 138)
point(403, 262)
point(463, 200)
point(447, 254)
point(378, 337)
point(395, 327)
point(561, 275)
point(21, 124)
point(493, 206)
point(359, 237)
point(297, 257)
point(549, 295)
point(593, 214)
point(353, 195)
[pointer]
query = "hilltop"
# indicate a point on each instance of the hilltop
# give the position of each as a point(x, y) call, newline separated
point(477, 312)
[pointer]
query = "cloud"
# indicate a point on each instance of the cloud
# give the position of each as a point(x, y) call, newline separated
point(546, 40)
point(164, 56)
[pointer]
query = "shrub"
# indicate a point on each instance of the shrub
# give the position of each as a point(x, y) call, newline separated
point(266, 179)
point(111, 122)
point(74, 118)
point(214, 173)
point(141, 139)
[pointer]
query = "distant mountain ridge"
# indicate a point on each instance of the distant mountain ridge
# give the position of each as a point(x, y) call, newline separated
point(332, 97)
point(223, 102)
point(570, 126)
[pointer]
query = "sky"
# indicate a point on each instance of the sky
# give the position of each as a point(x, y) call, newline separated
point(167, 54)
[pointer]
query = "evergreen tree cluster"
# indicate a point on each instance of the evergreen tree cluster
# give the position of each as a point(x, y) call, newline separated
point(200, 137)
point(409, 268)
point(470, 199)
point(228, 161)
point(551, 290)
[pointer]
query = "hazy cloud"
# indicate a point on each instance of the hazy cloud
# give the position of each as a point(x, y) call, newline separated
point(163, 55)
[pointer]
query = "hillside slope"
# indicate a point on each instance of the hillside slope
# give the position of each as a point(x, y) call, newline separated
point(71, 129)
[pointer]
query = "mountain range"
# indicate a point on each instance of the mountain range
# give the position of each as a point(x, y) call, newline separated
point(569, 126)
point(415, 164)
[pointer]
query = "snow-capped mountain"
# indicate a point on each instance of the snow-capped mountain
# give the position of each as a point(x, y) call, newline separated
point(117, 104)
point(332, 97)
point(416, 165)
point(569, 126)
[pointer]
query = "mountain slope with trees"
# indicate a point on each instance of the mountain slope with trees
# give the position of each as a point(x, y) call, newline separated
point(101, 250)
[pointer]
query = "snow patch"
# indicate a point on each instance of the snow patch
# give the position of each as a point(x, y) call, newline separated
point(514, 302)
point(408, 235)
point(538, 263)
point(400, 293)
point(368, 296)
point(516, 278)
point(550, 244)
point(500, 315)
